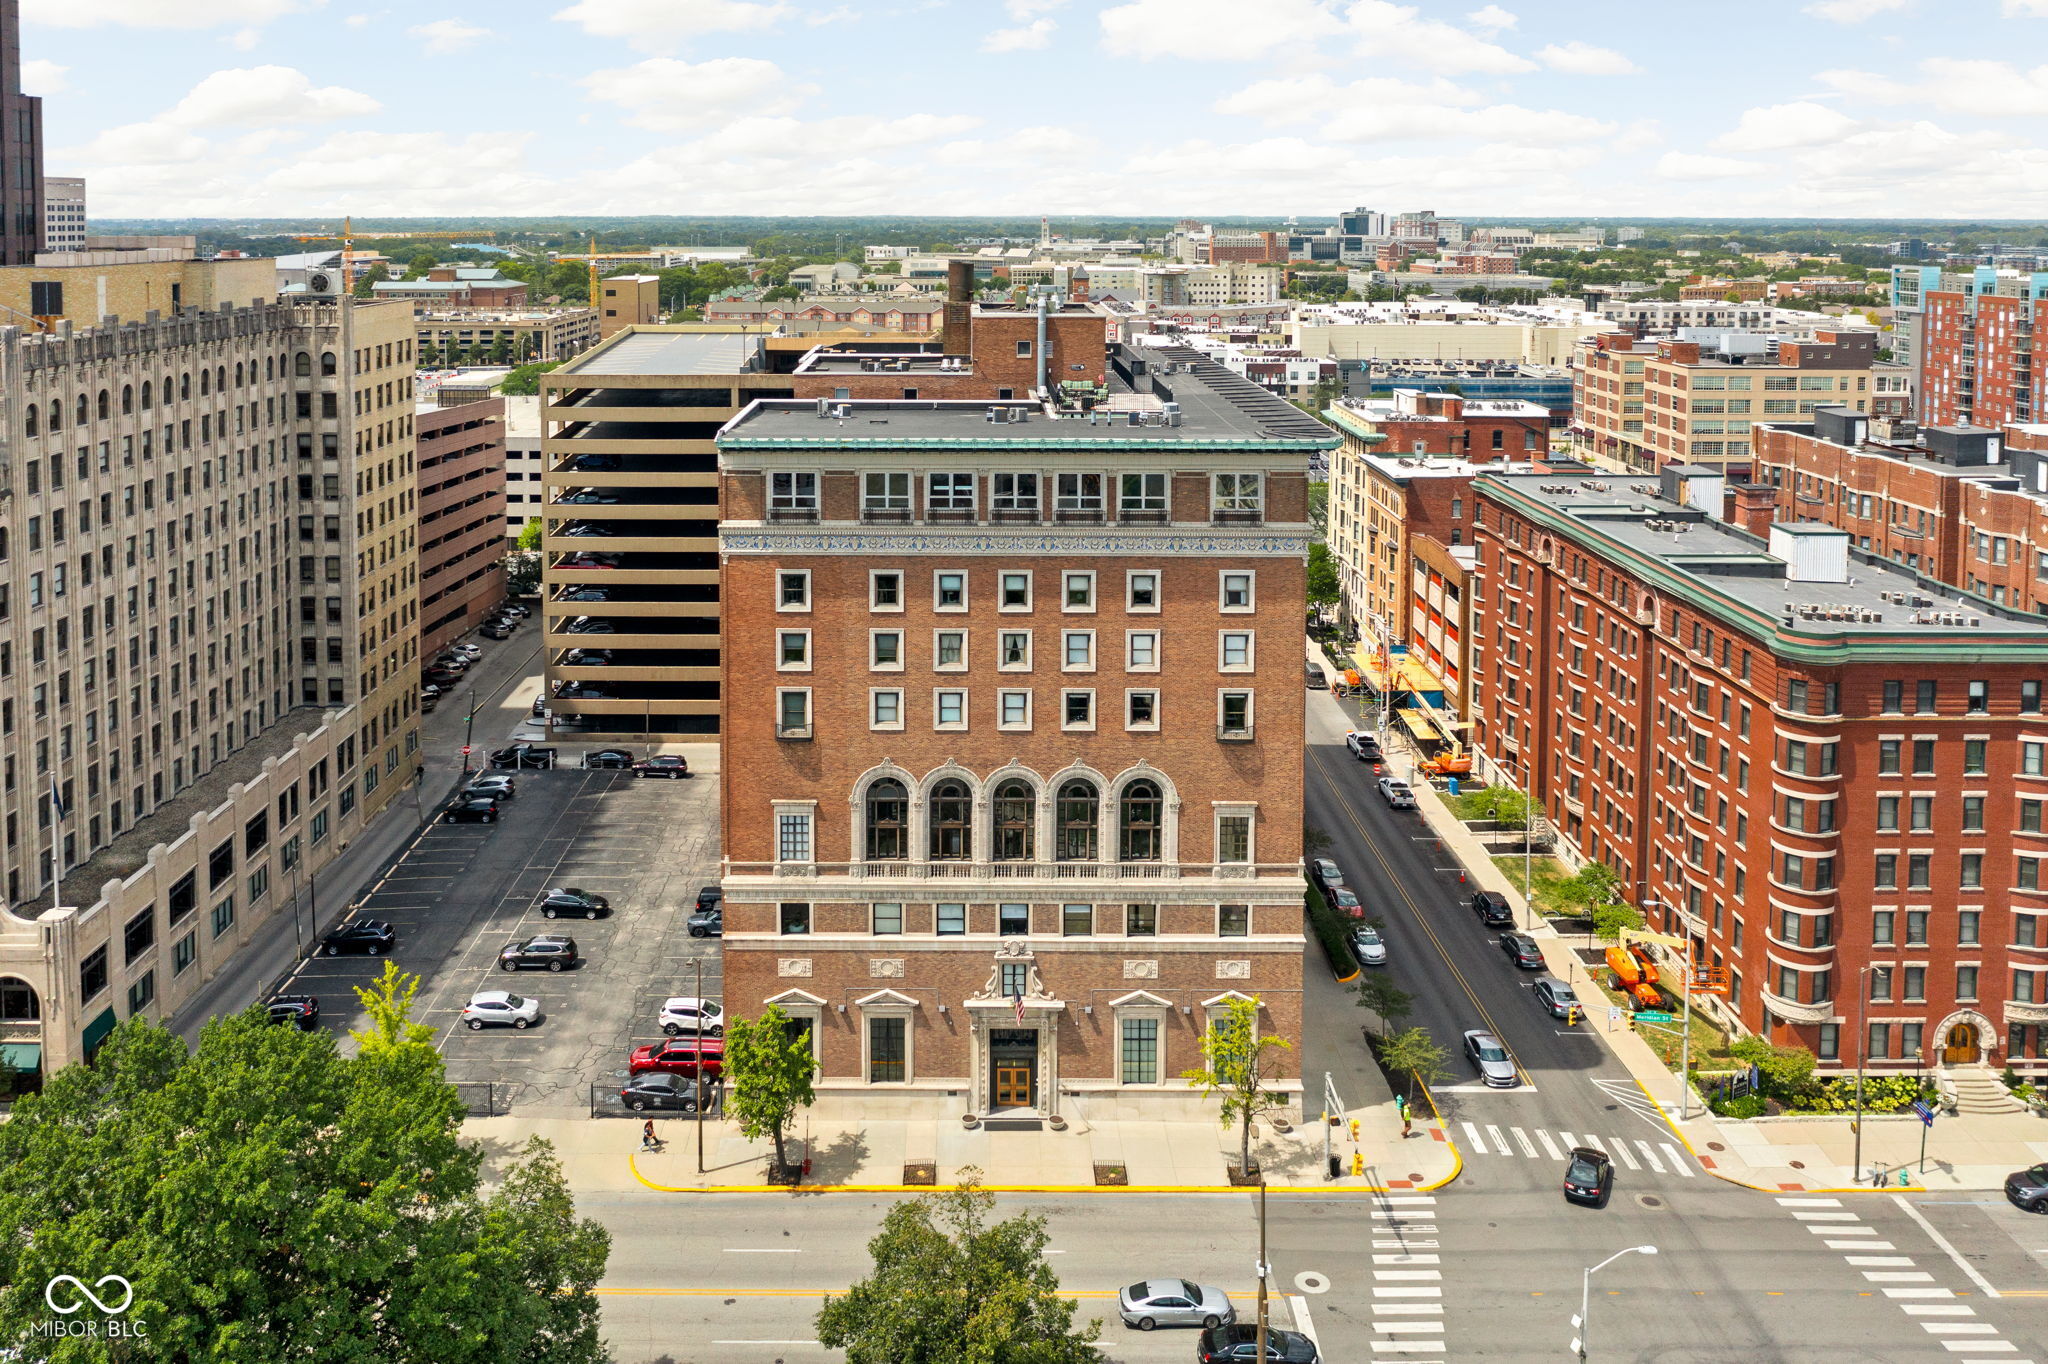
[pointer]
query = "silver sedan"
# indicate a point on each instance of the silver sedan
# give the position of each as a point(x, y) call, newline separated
point(1174, 1302)
point(1496, 1067)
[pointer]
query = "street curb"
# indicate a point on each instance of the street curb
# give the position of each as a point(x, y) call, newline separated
point(1706, 1162)
point(1457, 1156)
point(1358, 1190)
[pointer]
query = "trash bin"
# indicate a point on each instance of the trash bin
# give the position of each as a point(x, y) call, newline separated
point(1336, 1166)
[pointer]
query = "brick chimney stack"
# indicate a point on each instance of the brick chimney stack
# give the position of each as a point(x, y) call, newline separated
point(1752, 507)
point(958, 337)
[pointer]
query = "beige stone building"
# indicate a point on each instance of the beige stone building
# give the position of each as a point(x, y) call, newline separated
point(514, 336)
point(628, 301)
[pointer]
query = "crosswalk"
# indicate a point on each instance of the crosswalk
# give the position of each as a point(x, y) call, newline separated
point(1491, 1139)
point(1407, 1291)
point(1951, 1324)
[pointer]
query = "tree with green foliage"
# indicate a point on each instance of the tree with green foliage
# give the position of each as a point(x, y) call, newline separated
point(782, 293)
point(1323, 590)
point(1413, 1050)
point(529, 535)
point(1236, 1059)
point(268, 1198)
point(372, 277)
point(1504, 805)
point(1787, 1072)
point(1611, 920)
point(1378, 995)
point(1319, 506)
point(1590, 887)
point(388, 1001)
point(524, 382)
point(522, 571)
point(422, 261)
point(769, 1070)
point(950, 1285)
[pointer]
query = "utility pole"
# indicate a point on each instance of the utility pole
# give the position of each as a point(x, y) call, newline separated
point(468, 734)
point(1862, 1047)
point(699, 964)
point(1685, 1038)
point(1264, 1269)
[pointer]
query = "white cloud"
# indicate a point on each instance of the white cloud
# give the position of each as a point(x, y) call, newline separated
point(358, 20)
point(443, 36)
point(1211, 30)
point(676, 96)
point(662, 24)
point(1492, 19)
point(1043, 145)
point(1383, 108)
point(1583, 59)
point(1023, 38)
point(1985, 89)
point(157, 13)
point(40, 77)
point(244, 39)
point(2024, 9)
point(838, 14)
point(1023, 10)
point(1853, 11)
point(140, 144)
point(1691, 166)
point(1777, 126)
point(264, 95)
point(1397, 34)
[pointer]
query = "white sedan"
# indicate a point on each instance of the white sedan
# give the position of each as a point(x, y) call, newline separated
point(689, 1014)
point(499, 1006)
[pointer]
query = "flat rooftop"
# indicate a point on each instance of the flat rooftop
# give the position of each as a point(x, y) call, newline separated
point(1877, 600)
point(677, 353)
point(828, 361)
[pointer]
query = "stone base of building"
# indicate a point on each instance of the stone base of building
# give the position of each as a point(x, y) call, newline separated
point(948, 1100)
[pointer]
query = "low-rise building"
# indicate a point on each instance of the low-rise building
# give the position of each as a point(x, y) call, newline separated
point(628, 301)
point(456, 286)
point(456, 336)
point(523, 463)
point(914, 313)
point(1441, 329)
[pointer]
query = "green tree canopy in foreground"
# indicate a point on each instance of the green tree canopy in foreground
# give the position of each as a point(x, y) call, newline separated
point(270, 1199)
point(949, 1287)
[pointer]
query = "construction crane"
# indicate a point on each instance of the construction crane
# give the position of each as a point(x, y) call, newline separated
point(348, 243)
point(593, 272)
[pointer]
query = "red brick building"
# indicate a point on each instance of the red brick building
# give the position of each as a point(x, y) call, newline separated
point(1826, 775)
point(1977, 358)
point(462, 518)
point(1002, 826)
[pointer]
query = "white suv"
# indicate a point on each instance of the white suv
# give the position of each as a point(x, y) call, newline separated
point(688, 1014)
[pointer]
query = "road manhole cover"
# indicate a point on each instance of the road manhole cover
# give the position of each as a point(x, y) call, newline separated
point(1715, 1146)
point(1797, 1164)
point(1414, 1175)
point(1650, 1201)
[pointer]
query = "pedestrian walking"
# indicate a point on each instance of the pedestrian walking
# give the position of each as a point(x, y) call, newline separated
point(1401, 1107)
point(648, 1141)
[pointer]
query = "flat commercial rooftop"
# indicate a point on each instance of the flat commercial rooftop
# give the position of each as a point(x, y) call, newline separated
point(677, 353)
point(1877, 600)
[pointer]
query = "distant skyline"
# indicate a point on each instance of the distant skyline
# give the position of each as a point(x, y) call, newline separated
point(1837, 108)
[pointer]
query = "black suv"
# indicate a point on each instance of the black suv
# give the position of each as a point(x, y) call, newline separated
point(549, 950)
point(373, 936)
point(569, 900)
point(523, 755)
point(300, 1011)
point(1492, 908)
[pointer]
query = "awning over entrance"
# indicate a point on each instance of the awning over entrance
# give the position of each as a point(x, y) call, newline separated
point(23, 1057)
point(97, 1030)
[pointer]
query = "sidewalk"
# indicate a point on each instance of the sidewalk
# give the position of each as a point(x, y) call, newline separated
point(1973, 1152)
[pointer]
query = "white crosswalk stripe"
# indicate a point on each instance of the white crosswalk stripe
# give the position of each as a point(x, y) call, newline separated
point(1500, 1143)
point(1407, 1306)
point(1650, 1155)
point(1472, 1135)
point(1536, 1143)
point(1522, 1140)
point(1621, 1150)
point(1678, 1162)
point(1549, 1150)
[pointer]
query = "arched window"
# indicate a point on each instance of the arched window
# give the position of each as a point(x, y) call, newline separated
point(18, 1002)
point(185, 386)
point(205, 383)
point(269, 367)
point(303, 366)
point(327, 362)
point(29, 417)
point(106, 405)
point(84, 410)
point(1016, 815)
point(145, 395)
point(56, 416)
point(888, 821)
point(1138, 832)
point(952, 813)
point(1078, 814)
point(127, 399)
point(220, 379)
point(238, 374)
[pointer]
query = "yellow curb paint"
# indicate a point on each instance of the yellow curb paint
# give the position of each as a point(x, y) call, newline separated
point(1760, 1188)
point(1457, 1156)
point(1361, 1190)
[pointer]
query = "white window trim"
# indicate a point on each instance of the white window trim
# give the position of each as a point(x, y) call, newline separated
point(867, 503)
point(783, 666)
point(1010, 726)
point(1030, 592)
point(902, 594)
point(1130, 665)
point(1093, 716)
point(895, 667)
point(1093, 599)
point(809, 810)
point(959, 667)
point(965, 598)
point(1067, 636)
point(886, 1004)
point(810, 716)
point(1232, 937)
point(803, 1004)
point(1251, 577)
point(973, 489)
point(1030, 644)
point(875, 932)
point(1251, 706)
point(941, 726)
point(1251, 656)
point(1225, 809)
point(877, 724)
point(1152, 692)
point(1130, 595)
point(1142, 1004)
point(803, 607)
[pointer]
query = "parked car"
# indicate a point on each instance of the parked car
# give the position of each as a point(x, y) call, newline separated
point(587, 562)
point(1555, 996)
point(524, 755)
point(472, 652)
point(594, 463)
point(299, 1011)
point(1317, 678)
point(443, 678)
point(2028, 1188)
point(707, 923)
point(710, 897)
point(1522, 951)
point(1239, 1344)
point(1346, 903)
point(587, 658)
point(496, 630)
point(1364, 746)
point(1325, 873)
point(1397, 794)
point(570, 900)
point(1174, 1302)
point(496, 1007)
point(540, 704)
point(1492, 908)
point(700, 1057)
point(1368, 946)
point(659, 1089)
point(453, 662)
point(582, 691)
point(589, 625)
point(576, 528)
point(471, 810)
point(689, 1014)
point(549, 951)
point(514, 608)
point(584, 594)
point(589, 497)
point(1496, 1067)
point(430, 697)
point(371, 936)
point(608, 757)
point(492, 784)
point(1588, 1177)
point(662, 765)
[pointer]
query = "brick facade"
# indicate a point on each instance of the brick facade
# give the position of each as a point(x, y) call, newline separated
point(462, 518)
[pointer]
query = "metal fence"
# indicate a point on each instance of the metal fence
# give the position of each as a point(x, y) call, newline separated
point(606, 1103)
point(484, 1098)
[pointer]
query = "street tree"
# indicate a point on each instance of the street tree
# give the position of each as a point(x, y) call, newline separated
point(951, 1285)
point(1413, 1050)
point(388, 1001)
point(270, 1199)
point(529, 535)
point(1237, 1059)
point(524, 382)
point(770, 1069)
point(422, 261)
point(1388, 1003)
point(1322, 577)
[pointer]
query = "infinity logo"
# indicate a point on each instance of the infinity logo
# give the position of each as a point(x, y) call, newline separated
point(110, 1309)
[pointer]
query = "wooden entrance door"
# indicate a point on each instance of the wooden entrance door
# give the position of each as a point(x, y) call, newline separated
point(1960, 1049)
point(1013, 1085)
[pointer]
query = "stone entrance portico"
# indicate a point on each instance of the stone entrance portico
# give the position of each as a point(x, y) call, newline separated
point(1013, 1043)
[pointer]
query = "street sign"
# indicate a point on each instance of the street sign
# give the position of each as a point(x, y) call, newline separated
point(1925, 1113)
point(1655, 1016)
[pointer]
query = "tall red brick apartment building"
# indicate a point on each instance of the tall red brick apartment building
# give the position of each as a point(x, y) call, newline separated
point(1012, 801)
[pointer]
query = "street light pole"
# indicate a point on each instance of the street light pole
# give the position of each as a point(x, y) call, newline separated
point(1264, 1268)
point(1582, 1322)
point(468, 734)
point(1862, 1046)
point(699, 964)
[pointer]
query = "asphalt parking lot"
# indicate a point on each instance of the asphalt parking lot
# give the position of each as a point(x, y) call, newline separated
point(461, 892)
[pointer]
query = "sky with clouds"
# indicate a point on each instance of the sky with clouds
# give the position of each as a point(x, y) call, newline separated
point(1834, 108)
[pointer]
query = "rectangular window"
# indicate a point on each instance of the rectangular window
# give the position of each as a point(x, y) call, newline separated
point(184, 952)
point(1234, 838)
point(1233, 921)
point(793, 837)
point(1014, 708)
point(1078, 591)
point(1886, 875)
point(885, 493)
point(2030, 698)
point(793, 590)
point(949, 590)
point(793, 713)
point(949, 710)
point(1888, 757)
point(793, 651)
point(1141, 497)
point(1078, 650)
point(887, 1050)
point(1139, 1062)
point(1971, 867)
point(141, 992)
point(886, 710)
point(1077, 710)
point(1887, 814)
point(1926, 696)
point(885, 650)
point(1141, 921)
point(1235, 591)
point(885, 590)
point(223, 916)
point(1016, 494)
point(139, 936)
point(793, 494)
point(1881, 927)
point(1141, 591)
point(952, 921)
point(1966, 982)
point(1238, 496)
point(1916, 985)
point(1078, 496)
point(888, 919)
point(1077, 921)
point(1013, 920)
point(1013, 651)
point(949, 650)
point(1141, 651)
point(1880, 1044)
point(1016, 592)
point(1234, 651)
point(1234, 714)
point(793, 918)
point(1917, 865)
point(1141, 710)
point(949, 493)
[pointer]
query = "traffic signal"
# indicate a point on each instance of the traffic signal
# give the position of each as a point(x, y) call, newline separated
point(1571, 1017)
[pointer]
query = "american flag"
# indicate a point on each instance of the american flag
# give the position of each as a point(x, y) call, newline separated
point(1018, 1001)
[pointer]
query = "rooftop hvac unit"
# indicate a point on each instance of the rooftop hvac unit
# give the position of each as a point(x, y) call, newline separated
point(1017, 414)
point(323, 284)
point(824, 407)
point(1976, 621)
point(844, 412)
point(992, 415)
